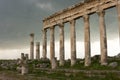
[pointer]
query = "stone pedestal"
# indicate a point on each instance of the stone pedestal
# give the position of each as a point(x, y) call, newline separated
point(54, 63)
point(87, 40)
point(44, 44)
point(73, 42)
point(32, 46)
point(37, 50)
point(103, 38)
point(52, 48)
point(61, 63)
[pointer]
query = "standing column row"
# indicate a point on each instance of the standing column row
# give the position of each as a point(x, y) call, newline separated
point(103, 41)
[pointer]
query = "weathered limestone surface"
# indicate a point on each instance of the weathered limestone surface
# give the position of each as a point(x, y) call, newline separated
point(24, 65)
point(26, 55)
point(103, 38)
point(87, 41)
point(32, 46)
point(44, 44)
point(118, 10)
point(61, 44)
point(37, 50)
point(52, 51)
point(54, 63)
point(73, 42)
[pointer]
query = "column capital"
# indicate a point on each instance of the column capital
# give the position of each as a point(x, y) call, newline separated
point(44, 30)
point(37, 43)
point(52, 27)
point(61, 24)
point(72, 21)
point(101, 12)
point(86, 17)
point(32, 34)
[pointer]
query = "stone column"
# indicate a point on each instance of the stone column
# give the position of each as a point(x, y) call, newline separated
point(44, 44)
point(37, 50)
point(22, 56)
point(61, 44)
point(32, 46)
point(52, 50)
point(87, 40)
point(26, 55)
point(118, 10)
point(73, 42)
point(103, 38)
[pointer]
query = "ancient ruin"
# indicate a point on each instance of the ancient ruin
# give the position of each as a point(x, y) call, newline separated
point(23, 65)
point(83, 10)
point(102, 67)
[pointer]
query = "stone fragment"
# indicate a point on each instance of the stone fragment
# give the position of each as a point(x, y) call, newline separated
point(113, 64)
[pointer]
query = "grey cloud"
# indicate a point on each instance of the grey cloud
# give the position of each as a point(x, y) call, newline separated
point(18, 18)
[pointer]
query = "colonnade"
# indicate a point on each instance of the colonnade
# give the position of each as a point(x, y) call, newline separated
point(103, 39)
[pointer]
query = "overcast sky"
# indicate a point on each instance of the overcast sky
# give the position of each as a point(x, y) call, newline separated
point(19, 18)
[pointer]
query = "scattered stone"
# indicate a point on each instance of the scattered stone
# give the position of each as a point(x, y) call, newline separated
point(117, 56)
point(104, 64)
point(44, 65)
point(81, 62)
point(44, 59)
point(113, 64)
point(96, 57)
point(68, 74)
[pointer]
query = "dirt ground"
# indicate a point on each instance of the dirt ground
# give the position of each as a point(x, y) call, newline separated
point(9, 75)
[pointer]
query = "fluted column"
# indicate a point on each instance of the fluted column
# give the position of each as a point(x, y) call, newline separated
point(61, 44)
point(37, 50)
point(44, 44)
point(73, 42)
point(87, 40)
point(103, 38)
point(118, 10)
point(52, 50)
point(32, 46)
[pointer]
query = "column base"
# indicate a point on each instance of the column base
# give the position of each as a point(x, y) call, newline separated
point(54, 63)
point(61, 63)
point(73, 62)
point(87, 64)
point(104, 64)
